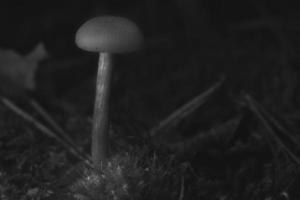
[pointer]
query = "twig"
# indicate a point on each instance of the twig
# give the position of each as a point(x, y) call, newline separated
point(44, 129)
point(178, 115)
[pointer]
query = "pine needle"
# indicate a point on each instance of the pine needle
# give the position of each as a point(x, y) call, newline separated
point(260, 112)
point(178, 115)
point(26, 116)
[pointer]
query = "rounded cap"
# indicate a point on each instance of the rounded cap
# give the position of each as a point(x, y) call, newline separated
point(109, 34)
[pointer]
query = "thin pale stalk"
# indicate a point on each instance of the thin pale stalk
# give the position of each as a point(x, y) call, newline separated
point(100, 128)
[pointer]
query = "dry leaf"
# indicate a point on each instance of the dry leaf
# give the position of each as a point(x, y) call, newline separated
point(17, 71)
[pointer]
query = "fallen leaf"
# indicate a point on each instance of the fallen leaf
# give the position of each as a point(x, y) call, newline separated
point(17, 72)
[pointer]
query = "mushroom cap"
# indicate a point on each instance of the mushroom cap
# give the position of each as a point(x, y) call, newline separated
point(109, 34)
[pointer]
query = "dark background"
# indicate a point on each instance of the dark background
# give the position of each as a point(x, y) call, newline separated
point(25, 23)
point(189, 45)
point(195, 40)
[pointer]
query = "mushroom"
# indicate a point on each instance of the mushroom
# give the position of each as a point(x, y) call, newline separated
point(106, 35)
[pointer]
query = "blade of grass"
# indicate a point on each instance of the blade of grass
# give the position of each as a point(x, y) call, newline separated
point(178, 115)
point(8, 103)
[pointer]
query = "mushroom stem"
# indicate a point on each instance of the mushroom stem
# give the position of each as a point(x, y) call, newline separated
point(100, 128)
